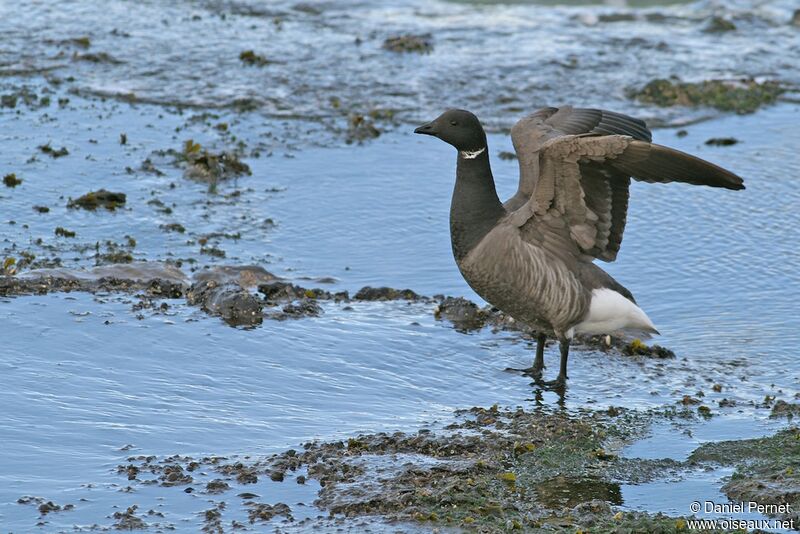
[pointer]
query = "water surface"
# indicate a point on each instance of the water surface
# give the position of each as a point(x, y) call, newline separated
point(83, 376)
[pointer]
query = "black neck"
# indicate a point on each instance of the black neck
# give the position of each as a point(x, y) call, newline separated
point(475, 208)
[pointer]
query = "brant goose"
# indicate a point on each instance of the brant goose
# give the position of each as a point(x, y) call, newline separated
point(532, 257)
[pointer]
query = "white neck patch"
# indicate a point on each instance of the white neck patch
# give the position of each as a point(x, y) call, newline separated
point(466, 154)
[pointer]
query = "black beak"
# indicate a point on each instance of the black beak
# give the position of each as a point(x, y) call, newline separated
point(426, 129)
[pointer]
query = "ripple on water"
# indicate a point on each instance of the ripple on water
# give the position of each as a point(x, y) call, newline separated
point(559, 52)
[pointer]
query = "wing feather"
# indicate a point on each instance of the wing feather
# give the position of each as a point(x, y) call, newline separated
point(655, 163)
point(584, 184)
point(530, 134)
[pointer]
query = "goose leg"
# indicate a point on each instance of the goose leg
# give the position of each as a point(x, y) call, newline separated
point(560, 383)
point(538, 363)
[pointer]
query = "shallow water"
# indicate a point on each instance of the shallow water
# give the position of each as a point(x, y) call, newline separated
point(82, 377)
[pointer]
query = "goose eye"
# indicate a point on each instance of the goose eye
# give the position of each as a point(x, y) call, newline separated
point(454, 123)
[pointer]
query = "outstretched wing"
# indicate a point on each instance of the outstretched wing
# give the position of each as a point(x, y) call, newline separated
point(583, 181)
point(530, 134)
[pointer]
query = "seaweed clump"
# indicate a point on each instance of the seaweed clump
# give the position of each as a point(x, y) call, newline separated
point(741, 96)
point(11, 180)
point(235, 305)
point(44, 507)
point(465, 315)
point(250, 58)
point(785, 409)
point(719, 24)
point(99, 57)
point(24, 95)
point(99, 199)
point(115, 253)
point(638, 348)
point(385, 293)
point(63, 232)
point(53, 152)
point(128, 520)
point(265, 512)
point(420, 44)
point(722, 141)
point(360, 128)
point(205, 166)
point(81, 42)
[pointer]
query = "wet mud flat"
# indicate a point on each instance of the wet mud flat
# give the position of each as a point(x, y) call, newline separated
point(489, 470)
point(492, 470)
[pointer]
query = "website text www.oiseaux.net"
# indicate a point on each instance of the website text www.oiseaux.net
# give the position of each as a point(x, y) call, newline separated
point(709, 507)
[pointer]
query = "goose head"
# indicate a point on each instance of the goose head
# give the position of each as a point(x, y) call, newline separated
point(457, 127)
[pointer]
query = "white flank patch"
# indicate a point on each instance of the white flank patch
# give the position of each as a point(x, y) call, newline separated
point(466, 154)
point(609, 312)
